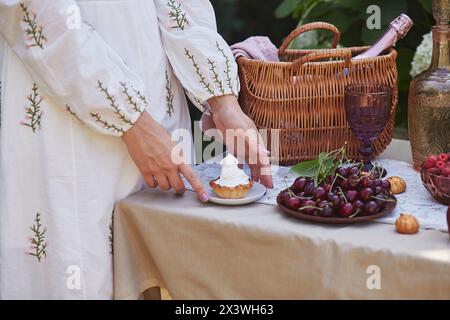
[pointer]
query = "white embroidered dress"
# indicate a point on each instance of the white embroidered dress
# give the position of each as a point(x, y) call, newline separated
point(70, 89)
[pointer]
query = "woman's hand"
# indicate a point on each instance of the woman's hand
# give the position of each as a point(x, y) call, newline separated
point(159, 158)
point(240, 134)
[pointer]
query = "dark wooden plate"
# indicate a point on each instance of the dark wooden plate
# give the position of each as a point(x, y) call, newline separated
point(391, 206)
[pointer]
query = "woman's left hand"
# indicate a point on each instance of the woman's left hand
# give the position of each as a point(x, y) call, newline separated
point(241, 136)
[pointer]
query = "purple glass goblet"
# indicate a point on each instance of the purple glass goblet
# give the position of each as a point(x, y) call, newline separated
point(368, 108)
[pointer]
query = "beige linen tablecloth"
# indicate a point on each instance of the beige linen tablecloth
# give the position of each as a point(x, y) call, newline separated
point(255, 252)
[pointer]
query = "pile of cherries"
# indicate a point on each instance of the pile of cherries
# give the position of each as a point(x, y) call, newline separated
point(347, 194)
point(438, 165)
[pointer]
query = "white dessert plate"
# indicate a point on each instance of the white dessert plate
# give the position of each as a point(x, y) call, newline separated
point(257, 192)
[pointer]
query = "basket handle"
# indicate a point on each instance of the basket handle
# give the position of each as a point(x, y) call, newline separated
point(344, 53)
point(308, 27)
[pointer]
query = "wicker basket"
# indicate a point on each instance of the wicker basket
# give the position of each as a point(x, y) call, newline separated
point(302, 97)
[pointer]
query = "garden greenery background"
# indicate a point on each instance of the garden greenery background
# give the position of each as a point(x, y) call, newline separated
point(239, 19)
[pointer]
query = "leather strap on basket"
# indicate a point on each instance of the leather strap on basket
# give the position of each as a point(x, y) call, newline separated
point(308, 27)
point(345, 54)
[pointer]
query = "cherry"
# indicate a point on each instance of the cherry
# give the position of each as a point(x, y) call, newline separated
point(366, 194)
point(309, 188)
point(346, 210)
point(334, 199)
point(327, 210)
point(382, 204)
point(299, 184)
point(351, 195)
point(386, 185)
point(301, 194)
point(380, 190)
point(366, 182)
point(283, 196)
point(327, 187)
point(353, 170)
point(358, 204)
point(293, 203)
point(342, 171)
point(308, 207)
point(343, 184)
point(330, 179)
point(319, 193)
point(371, 208)
point(353, 181)
point(377, 183)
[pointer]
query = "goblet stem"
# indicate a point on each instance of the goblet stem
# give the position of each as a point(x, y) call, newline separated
point(366, 152)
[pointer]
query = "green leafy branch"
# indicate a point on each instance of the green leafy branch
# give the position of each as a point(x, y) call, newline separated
point(202, 78)
point(177, 15)
point(322, 167)
point(33, 31)
point(38, 244)
point(113, 104)
point(169, 96)
point(227, 70)
point(33, 111)
point(106, 124)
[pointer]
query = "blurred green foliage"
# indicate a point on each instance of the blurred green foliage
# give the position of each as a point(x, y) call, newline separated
point(239, 19)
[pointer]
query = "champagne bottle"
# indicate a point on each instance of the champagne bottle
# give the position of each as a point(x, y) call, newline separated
point(397, 30)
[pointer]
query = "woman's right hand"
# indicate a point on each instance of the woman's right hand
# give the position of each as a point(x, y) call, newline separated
point(153, 151)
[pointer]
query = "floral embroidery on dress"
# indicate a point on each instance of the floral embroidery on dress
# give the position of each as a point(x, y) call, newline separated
point(113, 104)
point(177, 15)
point(141, 97)
point(227, 71)
point(169, 96)
point(204, 106)
point(73, 113)
point(38, 243)
point(200, 75)
point(33, 111)
point(213, 69)
point(131, 100)
point(106, 124)
point(34, 32)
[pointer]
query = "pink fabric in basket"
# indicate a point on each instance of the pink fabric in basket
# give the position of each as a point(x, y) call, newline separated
point(258, 48)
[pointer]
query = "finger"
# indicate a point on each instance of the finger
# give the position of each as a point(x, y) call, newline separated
point(176, 183)
point(195, 182)
point(255, 170)
point(150, 181)
point(266, 176)
point(163, 182)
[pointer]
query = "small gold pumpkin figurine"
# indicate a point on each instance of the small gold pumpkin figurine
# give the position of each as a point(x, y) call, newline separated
point(398, 185)
point(407, 224)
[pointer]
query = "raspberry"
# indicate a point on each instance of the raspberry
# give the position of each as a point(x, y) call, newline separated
point(446, 171)
point(428, 164)
point(432, 157)
point(440, 164)
point(443, 157)
point(434, 171)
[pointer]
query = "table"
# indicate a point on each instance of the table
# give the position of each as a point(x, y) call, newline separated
point(255, 252)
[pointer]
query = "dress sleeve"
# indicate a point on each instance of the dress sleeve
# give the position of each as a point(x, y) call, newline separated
point(200, 57)
point(72, 64)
